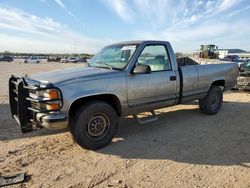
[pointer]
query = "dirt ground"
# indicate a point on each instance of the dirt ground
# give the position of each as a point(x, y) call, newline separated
point(184, 148)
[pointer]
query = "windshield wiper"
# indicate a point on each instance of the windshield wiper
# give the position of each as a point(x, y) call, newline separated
point(103, 63)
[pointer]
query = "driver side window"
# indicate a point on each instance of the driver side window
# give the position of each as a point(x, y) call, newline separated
point(156, 57)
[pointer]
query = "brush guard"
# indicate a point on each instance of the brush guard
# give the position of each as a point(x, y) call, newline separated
point(27, 110)
point(18, 103)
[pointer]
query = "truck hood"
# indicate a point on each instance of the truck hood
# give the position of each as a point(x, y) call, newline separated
point(84, 73)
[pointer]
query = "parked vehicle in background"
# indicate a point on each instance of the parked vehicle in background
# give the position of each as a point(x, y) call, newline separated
point(54, 59)
point(82, 60)
point(240, 62)
point(64, 60)
point(32, 59)
point(6, 58)
point(72, 60)
point(243, 80)
point(234, 58)
point(123, 79)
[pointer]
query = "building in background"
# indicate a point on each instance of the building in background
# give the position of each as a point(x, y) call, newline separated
point(239, 52)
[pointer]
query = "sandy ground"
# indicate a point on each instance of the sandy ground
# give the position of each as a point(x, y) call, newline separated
point(184, 148)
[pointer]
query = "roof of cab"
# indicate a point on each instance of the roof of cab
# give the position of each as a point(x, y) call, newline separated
point(139, 42)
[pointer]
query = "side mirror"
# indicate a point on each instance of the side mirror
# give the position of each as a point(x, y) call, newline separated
point(141, 69)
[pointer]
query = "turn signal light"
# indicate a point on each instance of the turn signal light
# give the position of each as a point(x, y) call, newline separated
point(52, 94)
point(52, 106)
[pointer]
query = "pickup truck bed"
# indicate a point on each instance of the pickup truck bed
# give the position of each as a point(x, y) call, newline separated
point(197, 78)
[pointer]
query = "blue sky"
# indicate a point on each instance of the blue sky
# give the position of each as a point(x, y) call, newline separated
point(84, 26)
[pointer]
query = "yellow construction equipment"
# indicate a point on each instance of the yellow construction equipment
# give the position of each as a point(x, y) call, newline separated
point(207, 52)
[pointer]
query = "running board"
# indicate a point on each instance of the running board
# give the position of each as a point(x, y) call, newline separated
point(148, 119)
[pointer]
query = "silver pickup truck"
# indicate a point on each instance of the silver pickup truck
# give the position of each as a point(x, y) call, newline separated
point(122, 79)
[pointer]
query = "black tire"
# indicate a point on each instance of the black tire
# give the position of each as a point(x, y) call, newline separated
point(94, 125)
point(212, 103)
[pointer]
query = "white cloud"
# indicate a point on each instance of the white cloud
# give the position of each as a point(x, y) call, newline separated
point(121, 8)
point(196, 11)
point(209, 32)
point(21, 31)
point(51, 45)
point(59, 2)
point(185, 23)
point(168, 12)
point(182, 22)
point(235, 12)
point(155, 11)
point(227, 4)
point(193, 18)
point(20, 21)
point(62, 5)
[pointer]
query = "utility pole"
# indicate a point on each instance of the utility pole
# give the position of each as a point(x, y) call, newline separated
point(75, 44)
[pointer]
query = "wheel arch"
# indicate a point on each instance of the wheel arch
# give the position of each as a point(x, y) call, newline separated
point(220, 83)
point(111, 99)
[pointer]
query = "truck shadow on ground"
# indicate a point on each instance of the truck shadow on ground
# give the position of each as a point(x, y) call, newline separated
point(188, 136)
point(10, 130)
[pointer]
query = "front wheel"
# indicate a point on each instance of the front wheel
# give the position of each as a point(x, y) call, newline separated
point(212, 103)
point(94, 125)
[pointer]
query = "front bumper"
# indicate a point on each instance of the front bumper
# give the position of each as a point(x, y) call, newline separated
point(25, 108)
point(52, 121)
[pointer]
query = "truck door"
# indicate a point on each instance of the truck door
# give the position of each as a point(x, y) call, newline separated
point(157, 86)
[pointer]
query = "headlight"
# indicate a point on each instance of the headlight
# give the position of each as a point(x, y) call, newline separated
point(51, 99)
point(49, 94)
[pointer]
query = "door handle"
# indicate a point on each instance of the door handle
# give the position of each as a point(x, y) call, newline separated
point(172, 78)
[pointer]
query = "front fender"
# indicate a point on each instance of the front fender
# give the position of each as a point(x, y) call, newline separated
point(109, 86)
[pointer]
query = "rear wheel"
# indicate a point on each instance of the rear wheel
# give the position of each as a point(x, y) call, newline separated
point(94, 125)
point(212, 103)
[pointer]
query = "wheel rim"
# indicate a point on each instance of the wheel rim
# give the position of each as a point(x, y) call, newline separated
point(215, 101)
point(97, 126)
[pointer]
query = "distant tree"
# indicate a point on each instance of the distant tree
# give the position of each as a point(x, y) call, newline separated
point(179, 54)
point(7, 53)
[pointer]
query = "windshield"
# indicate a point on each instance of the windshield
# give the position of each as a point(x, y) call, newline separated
point(114, 56)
